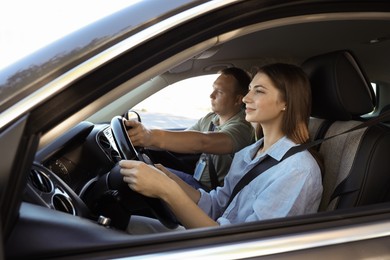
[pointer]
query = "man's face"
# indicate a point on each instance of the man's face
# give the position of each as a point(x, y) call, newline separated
point(224, 98)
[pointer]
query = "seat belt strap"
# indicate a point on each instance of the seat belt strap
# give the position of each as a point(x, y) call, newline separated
point(265, 164)
point(212, 172)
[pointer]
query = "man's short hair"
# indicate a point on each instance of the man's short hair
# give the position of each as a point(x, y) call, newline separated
point(242, 78)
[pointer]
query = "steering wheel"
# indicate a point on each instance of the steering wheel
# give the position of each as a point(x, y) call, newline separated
point(115, 180)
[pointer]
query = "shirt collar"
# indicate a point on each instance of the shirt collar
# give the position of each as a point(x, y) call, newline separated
point(216, 121)
point(276, 151)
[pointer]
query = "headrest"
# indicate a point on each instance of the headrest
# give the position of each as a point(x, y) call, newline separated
point(340, 88)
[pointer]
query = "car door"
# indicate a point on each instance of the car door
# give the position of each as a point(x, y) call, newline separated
point(321, 235)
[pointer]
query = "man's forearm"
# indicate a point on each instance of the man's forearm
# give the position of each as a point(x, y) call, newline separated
point(191, 141)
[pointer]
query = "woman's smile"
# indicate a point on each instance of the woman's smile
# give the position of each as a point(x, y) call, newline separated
point(249, 110)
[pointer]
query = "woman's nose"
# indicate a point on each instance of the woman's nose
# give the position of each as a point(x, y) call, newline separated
point(245, 99)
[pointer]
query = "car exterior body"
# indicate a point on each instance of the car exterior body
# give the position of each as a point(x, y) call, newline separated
point(57, 102)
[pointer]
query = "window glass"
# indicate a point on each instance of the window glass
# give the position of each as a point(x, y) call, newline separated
point(179, 105)
point(374, 87)
point(21, 38)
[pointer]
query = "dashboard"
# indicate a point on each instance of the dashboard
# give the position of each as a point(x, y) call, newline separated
point(83, 153)
point(78, 174)
point(64, 171)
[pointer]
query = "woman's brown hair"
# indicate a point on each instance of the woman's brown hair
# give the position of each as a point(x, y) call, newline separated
point(294, 86)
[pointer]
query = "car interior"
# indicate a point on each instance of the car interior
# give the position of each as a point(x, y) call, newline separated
point(74, 169)
point(349, 170)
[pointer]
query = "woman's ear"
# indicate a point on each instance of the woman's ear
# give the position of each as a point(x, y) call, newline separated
point(284, 106)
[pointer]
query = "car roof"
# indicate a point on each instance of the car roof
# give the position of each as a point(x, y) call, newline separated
point(322, 35)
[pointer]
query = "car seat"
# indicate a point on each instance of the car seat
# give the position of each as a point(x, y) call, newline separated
point(356, 164)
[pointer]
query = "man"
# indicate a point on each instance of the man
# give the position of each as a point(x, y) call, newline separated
point(218, 135)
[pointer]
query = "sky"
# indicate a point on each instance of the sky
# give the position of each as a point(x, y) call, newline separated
point(26, 26)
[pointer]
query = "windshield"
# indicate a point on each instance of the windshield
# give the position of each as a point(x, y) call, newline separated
point(34, 24)
point(46, 39)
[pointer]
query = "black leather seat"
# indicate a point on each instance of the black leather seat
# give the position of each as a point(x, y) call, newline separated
point(357, 164)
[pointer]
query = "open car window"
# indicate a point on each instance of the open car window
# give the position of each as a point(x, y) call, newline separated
point(179, 105)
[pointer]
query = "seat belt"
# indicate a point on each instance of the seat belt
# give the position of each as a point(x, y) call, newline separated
point(268, 163)
point(262, 166)
point(212, 172)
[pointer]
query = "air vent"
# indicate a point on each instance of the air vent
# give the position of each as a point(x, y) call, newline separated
point(61, 203)
point(103, 141)
point(115, 156)
point(40, 181)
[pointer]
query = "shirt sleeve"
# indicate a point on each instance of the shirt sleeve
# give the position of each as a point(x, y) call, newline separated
point(195, 127)
point(203, 123)
point(241, 132)
point(213, 203)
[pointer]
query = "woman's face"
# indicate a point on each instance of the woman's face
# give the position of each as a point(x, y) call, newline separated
point(263, 101)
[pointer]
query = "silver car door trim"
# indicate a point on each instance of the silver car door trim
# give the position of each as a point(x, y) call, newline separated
point(277, 245)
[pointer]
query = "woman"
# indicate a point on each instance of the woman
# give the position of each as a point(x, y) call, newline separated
point(279, 101)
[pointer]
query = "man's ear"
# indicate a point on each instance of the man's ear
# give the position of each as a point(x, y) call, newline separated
point(239, 101)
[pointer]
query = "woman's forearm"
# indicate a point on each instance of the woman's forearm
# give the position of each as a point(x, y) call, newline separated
point(189, 190)
point(186, 210)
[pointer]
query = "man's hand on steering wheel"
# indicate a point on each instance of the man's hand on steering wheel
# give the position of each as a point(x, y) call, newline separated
point(140, 136)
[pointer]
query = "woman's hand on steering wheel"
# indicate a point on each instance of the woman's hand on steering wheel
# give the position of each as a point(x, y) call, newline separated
point(128, 152)
point(144, 179)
